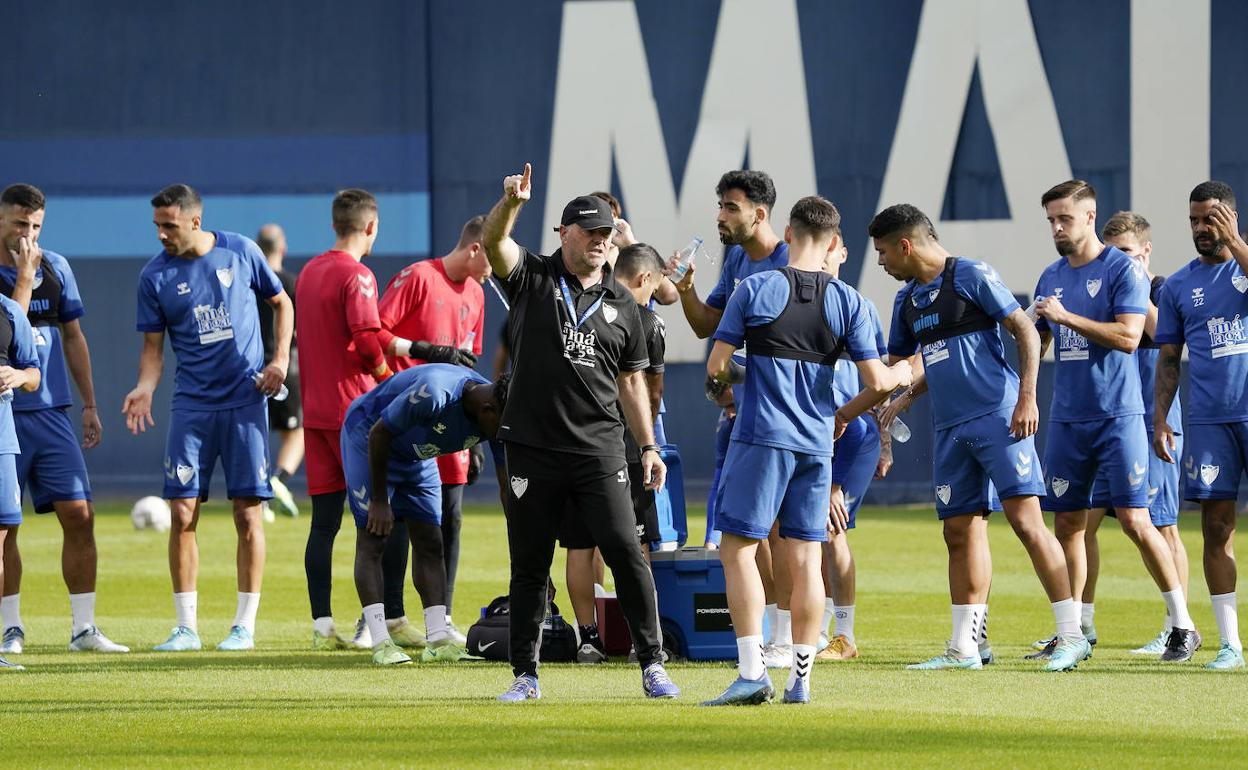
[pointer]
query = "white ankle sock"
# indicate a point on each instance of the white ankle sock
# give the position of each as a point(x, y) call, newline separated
point(966, 622)
point(845, 622)
point(248, 605)
point(186, 607)
point(784, 629)
point(375, 619)
point(82, 610)
point(750, 657)
point(1228, 621)
point(1067, 619)
point(1087, 614)
point(829, 611)
point(11, 611)
point(435, 622)
point(769, 623)
point(1176, 605)
point(803, 660)
point(323, 626)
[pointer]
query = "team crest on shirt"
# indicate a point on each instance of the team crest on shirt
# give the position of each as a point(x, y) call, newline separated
point(39, 280)
point(1094, 287)
point(943, 493)
point(1239, 281)
point(226, 276)
point(1059, 486)
point(1209, 473)
point(609, 313)
point(519, 486)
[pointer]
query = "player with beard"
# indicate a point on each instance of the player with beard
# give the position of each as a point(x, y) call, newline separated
point(1203, 305)
point(1094, 299)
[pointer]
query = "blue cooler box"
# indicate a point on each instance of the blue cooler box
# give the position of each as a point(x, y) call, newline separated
point(693, 604)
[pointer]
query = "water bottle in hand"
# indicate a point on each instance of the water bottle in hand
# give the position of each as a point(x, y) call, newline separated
point(686, 256)
point(281, 393)
point(899, 431)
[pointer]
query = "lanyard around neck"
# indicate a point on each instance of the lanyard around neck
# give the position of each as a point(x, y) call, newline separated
point(571, 305)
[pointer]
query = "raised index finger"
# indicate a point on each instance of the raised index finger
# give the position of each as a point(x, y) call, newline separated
point(528, 172)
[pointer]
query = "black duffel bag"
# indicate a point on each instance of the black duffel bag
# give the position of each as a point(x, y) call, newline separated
point(488, 637)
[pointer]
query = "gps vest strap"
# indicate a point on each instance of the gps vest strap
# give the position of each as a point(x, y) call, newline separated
point(800, 332)
point(948, 315)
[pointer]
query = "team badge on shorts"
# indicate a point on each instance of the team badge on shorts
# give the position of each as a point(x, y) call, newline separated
point(1059, 486)
point(519, 486)
point(1209, 473)
point(943, 493)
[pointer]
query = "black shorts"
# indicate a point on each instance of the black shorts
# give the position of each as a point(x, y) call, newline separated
point(287, 414)
point(574, 535)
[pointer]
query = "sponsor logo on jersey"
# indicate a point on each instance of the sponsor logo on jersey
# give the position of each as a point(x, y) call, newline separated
point(580, 346)
point(935, 352)
point(519, 486)
point(1226, 338)
point(1209, 473)
point(213, 323)
point(1072, 346)
point(929, 321)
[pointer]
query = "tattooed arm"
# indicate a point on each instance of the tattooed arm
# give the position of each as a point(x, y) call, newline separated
point(1163, 396)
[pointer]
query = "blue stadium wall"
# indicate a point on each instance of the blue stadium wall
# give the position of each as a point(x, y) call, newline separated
point(268, 108)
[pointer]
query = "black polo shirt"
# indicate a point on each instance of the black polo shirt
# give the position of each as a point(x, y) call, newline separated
point(655, 330)
point(564, 394)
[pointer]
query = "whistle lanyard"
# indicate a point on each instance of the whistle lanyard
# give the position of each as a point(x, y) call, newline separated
point(571, 305)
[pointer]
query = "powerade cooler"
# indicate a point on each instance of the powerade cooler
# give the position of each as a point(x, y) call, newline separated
point(693, 602)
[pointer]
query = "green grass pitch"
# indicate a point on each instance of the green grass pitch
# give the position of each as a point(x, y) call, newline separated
point(284, 705)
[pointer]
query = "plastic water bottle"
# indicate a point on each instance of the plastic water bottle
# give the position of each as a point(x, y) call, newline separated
point(280, 395)
point(686, 256)
point(6, 396)
point(899, 431)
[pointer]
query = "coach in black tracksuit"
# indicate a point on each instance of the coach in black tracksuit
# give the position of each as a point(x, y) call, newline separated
point(577, 351)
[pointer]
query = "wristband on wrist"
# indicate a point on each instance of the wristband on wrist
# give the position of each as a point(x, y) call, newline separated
point(650, 448)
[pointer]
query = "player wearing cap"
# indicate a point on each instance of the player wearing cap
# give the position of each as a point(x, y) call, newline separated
point(794, 323)
point(1203, 305)
point(578, 354)
point(440, 302)
point(1094, 299)
point(949, 313)
point(390, 437)
point(202, 290)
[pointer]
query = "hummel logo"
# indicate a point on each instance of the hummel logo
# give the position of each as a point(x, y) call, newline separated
point(416, 396)
point(622, 476)
point(1191, 468)
point(588, 211)
point(366, 284)
point(183, 288)
point(1134, 479)
point(1198, 296)
point(360, 494)
point(440, 428)
point(169, 468)
point(1023, 466)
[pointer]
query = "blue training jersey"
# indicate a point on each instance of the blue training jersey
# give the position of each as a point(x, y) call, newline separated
point(1094, 382)
point(738, 266)
point(1146, 360)
point(1204, 306)
point(786, 403)
point(845, 380)
point(66, 306)
point(207, 305)
point(22, 355)
point(967, 374)
point(422, 407)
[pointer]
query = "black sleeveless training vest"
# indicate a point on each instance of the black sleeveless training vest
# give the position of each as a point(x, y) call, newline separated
point(949, 314)
point(800, 332)
point(45, 299)
point(6, 339)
